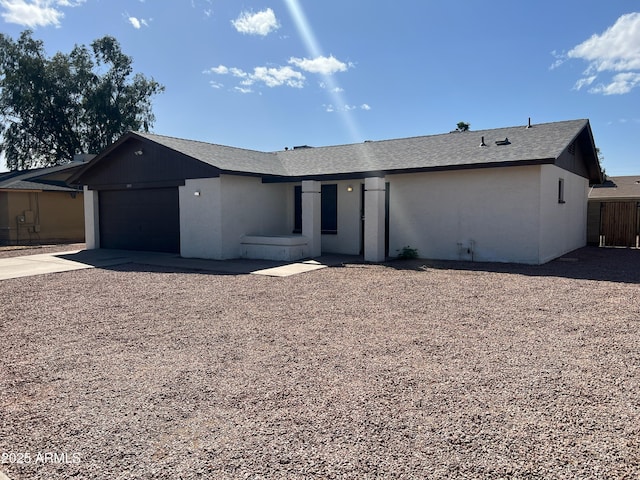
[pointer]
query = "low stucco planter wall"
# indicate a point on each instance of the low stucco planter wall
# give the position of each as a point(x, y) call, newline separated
point(274, 247)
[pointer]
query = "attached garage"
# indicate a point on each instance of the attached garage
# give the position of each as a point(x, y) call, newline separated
point(135, 190)
point(143, 219)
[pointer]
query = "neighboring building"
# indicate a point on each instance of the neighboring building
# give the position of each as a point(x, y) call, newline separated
point(614, 212)
point(37, 206)
point(515, 194)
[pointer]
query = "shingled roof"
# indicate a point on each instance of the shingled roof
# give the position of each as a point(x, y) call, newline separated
point(541, 143)
point(225, 158)
point(36, 179)
point(617, 188)
point(524, 145)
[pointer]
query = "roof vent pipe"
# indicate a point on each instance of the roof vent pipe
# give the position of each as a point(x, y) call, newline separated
point(482, 144)
point(529, 124)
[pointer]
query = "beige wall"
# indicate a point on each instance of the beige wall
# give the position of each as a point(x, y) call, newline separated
point(50, 217)
point(488, 214)
point(348, 239)
point(563, 226)
point(228, 207)
point(200, 218)
point(250, 207)
point(507, 214)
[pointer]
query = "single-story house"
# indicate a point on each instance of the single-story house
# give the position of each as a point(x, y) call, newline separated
point(516, 194)
point(37, 206)
point(614, 212)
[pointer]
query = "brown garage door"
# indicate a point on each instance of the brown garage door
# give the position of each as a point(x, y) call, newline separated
point(147, 219)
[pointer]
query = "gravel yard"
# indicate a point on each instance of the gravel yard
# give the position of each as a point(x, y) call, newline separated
point(20, 250)
point(412, 369)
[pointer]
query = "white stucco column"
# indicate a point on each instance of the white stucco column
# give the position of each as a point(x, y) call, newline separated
point(311, 224)
point(374, 219)
point(91, 218)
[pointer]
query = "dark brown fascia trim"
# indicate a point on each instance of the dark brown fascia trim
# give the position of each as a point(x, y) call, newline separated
point(585, 138)
point(73, 179)
point(138, 185)
point(382, 173)
point(249, 174)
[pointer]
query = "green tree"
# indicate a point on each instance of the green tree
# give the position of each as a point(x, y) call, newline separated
point(601, 161)
point(463, 126)
point(81, 102)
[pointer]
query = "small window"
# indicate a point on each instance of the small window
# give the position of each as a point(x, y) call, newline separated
point(297, 209)
point(328, 209)
point(561, 190)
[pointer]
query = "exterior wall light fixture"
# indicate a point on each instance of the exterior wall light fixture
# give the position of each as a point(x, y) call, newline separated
point(197, 193)
point(349, 188)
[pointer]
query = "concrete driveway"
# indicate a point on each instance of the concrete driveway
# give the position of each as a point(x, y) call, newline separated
point(26, 266)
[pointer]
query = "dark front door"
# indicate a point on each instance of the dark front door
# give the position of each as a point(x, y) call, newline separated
point(146, 219)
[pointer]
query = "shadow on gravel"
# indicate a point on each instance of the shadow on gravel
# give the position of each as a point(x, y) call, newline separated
point(588, 263)
point(125, 260)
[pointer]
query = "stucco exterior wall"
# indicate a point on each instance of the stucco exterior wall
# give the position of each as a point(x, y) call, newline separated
point(200, 218)
point(250, 207)
point(228, 207)
point(91, 218)
point(348, 239)
point(61, 216)
point(563, 226)
point(484, 214)
point(50, 217)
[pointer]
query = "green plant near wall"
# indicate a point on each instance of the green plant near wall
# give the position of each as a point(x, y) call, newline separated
point(407, 253)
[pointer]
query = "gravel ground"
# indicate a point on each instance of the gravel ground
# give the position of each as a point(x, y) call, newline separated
point(407, 370)
point(21, 250)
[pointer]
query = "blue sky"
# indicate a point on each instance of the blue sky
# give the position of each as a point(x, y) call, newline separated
point(269, 74)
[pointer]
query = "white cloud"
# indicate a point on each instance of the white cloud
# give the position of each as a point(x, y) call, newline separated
point(560, 59)
point(35, 13)
point(243, 90)
point(137, 23)
point(270, 76)
point(261, 23)
point(617, 50)
point(274, 77)
point(220, 70)
point(621, 83)
point(216, 85)
point(330, 108)
point(30, 15)
point(236, 72)
point(323, 65)
point(583, 82)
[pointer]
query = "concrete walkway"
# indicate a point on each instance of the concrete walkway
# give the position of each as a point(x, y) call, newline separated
point(30, 265)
